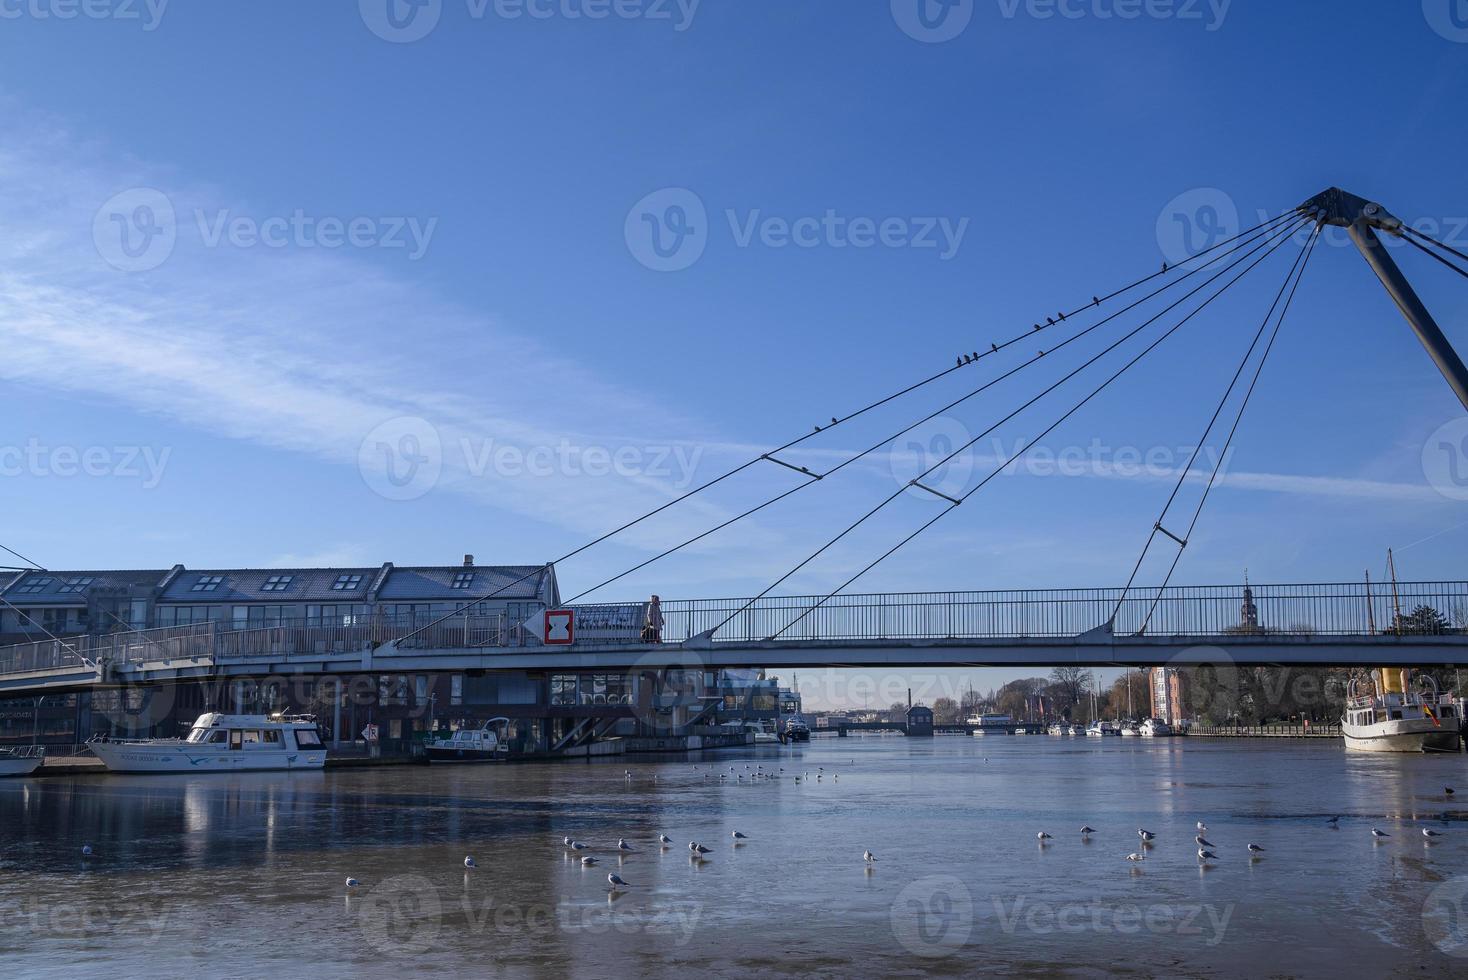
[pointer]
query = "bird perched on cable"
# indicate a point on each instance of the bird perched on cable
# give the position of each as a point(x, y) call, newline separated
point(1164, 267)
point(959, 362)
point(1061, 315)
point(976, 355)
point(993, 348)
point(1049, 321)
point(1096, 300)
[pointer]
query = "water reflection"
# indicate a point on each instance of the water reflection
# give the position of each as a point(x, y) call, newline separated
point(244, 872)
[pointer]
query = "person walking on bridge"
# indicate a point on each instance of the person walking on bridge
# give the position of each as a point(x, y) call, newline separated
point(652, 626)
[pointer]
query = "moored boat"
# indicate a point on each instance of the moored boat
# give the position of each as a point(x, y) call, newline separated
point(21, 760)
point(1384, 714)
point(221, 743)
point(796, 730)
point(1154, 728)
point(483, 744)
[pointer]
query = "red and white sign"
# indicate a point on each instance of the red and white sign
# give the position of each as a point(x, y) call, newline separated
point(560, 627)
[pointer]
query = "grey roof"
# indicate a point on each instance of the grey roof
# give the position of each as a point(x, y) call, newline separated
point(56, 588)
point(436, 582)
point(248, 585)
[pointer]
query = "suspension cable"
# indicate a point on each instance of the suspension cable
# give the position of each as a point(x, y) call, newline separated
point(1281, 239)
point(816, 477)
point(1218, 465)
point(1428, 238)
point(994, 349)
point(1427, 251)
point(1157, 526)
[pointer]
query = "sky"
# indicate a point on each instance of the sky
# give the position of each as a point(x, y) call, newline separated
point(349, 282)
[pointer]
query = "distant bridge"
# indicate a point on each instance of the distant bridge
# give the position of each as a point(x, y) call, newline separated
point(1338, 625)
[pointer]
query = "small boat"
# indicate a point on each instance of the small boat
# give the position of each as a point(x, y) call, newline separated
point(796, 730)
point(483, 744)
point(1021, 731)
point(1130, 728)
point(1057, 729)
point(221, 743)
point(1155, 727)
point(21, 760)
point(1383, 714)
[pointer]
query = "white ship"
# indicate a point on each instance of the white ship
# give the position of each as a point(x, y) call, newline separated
point(1154, 727)
point(1384, 714)
point(483, 744)
point(21, 760)
point(221, 743)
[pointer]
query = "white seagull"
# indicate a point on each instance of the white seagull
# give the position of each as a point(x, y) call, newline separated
point(1202, 827)
point(616, 882)
point(588, 861)
point(868, 857)
point(352, 882)
point(738, 836)
point(622, 845)
point(1255, 849)
point(1206, 855)
point(1430, 833)
point(469, 863)
point(86, 850)
point(1379, 834)
point(1087, 830)
point(698, 849)
point(576, 845)
point(1042, 837)
point(664, 839)
point(1136, 857)
point(1146, 835)
point(1202, 841)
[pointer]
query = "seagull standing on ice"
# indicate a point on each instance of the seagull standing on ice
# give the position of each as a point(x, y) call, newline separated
point(469, 863)
point(1202, 841)
point(738, 836)
point(1042, 837)
point(1205, 856)
point(352, 882)
point(86, 850)
point(664, 839)
point(868, 857)
point(1202, 827)
point(576, 845)
point(588, 862)
point(1429, 833)
point(1136, 857)
point(1379, 834)
point(616, 882)
point(1255, 849)
point(1147, 836)
point(1087, 830)
point(622, 845)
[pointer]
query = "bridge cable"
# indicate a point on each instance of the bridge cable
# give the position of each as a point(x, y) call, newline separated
point(33, 565)
point(816, 477)
point(1429, 252)
point(1289, 232)
point(994, 349)
point(1414, 233)
point(1213, 477)
point(1158, 525)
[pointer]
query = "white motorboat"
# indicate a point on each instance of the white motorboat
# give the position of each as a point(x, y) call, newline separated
point(1057, 729)
point(1155, 727)
point(221, 743)
point(1384, 714)
point(483, 744)
point(1130, 728)
point(21, 760)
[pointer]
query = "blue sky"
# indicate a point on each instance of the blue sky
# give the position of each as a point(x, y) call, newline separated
point(377, 239)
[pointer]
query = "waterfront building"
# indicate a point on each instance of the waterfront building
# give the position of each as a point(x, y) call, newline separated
point(1168, 695)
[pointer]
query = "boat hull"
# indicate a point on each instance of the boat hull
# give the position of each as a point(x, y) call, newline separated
point(1408, 735)
point(446, 755)
point(137, 757)
point(18, 767)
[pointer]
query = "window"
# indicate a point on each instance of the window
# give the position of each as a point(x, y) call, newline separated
point(456, 689)
point(420, 689)
point(346, 582)
point(34, 585)
point(251, 738)
point(277, 583)
point(207, 583)
point(272, 738)
point(462, 580)
point(75, 585)
point(217, 737)
point(307, 738)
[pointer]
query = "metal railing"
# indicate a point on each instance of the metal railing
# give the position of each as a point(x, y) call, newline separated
point(1193, 611)
point(1290, 610)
